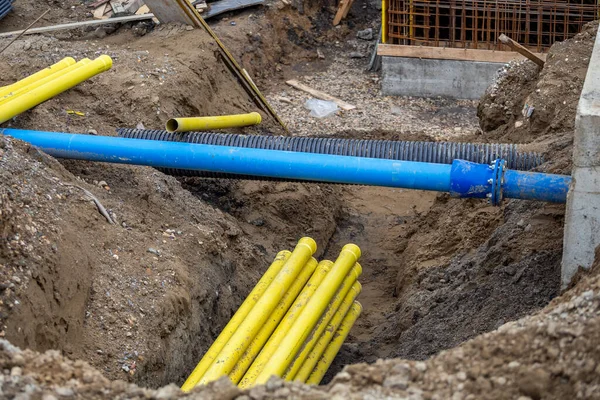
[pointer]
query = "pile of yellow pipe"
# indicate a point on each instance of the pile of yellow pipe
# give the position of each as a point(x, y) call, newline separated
point(291, 325)
point(47, 83)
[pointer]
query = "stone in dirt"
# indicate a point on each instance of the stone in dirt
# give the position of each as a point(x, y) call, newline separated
point(366, 34)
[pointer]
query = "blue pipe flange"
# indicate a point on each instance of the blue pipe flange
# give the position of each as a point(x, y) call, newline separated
point(497, 182)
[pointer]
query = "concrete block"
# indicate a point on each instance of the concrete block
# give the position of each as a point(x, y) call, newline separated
point(582, 222)
point(454, 79)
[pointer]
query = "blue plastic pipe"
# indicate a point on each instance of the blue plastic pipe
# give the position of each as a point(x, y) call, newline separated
point(461, 179)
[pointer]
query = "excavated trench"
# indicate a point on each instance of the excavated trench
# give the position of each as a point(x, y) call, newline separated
point(436, 270)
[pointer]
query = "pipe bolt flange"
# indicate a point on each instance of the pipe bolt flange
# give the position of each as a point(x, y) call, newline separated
point(497, 181)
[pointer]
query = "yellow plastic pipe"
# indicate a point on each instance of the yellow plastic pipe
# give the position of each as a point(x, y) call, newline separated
point(350, 285)
point(282, 329)
point(317, 351)
point(18, 92)
point(267, 329)
point(62, 64)
point(308, 318)
point(335, 344)
point(236, 320)
point(42, 93)
point(247, 330)
point(208, 123)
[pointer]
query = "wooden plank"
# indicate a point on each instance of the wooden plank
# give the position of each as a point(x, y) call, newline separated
point(74, 25)
point(142, 10)
point(441, 53)
point(521, 50)
point(320, 95)
point(347, 8)
point(100, 11)
point(340, 12)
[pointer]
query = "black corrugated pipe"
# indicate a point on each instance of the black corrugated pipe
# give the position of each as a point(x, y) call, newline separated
point(430, 152)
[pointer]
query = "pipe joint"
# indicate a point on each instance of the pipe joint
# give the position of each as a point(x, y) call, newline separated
point(469, 179)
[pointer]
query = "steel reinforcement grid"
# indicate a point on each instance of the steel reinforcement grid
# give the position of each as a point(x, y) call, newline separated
point(476, 24)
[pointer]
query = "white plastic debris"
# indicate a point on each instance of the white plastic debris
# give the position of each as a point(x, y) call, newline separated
point(321, 108)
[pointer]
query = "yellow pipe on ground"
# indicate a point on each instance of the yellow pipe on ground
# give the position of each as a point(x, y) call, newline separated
point(217, 122)
point(282, 329)
point(18, 92)
point(308, 318)
point(236, 320)
point(350, 285)
point(42, 93)
point(319, 348)
point(247, 330)
point(267, 329)
point(62, 64)
point(335, 344)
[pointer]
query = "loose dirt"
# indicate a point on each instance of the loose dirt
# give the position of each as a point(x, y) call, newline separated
point(140, 301)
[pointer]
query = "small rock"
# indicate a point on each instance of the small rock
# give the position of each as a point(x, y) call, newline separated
point(16, 371)
point(189, 28)
point(356, 54)
point(153, 251)
point(64, 391)
point(16, 279)
point(49, 396)
point(461, 376)
point(518, 124)
point(92, 132)
point(320, 54)
point(167, 392)
point(396, 382)
point(274, 384)
point(233, 23)
point(102, 184)
point(514, 364)
point(366, 34)
point(421, 366)
point(588, 295)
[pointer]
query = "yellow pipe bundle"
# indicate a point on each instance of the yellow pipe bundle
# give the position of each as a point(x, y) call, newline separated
point(45, 84)
point(291, 325)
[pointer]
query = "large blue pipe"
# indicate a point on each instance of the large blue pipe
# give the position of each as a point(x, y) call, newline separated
point(461, 179)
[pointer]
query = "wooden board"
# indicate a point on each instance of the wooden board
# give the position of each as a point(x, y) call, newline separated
point(521, 50)
point(74, 25)
point(321, 95)
point(441, 53)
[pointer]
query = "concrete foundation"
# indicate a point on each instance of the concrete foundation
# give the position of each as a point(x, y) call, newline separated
point(582, 224)
point(417, 77)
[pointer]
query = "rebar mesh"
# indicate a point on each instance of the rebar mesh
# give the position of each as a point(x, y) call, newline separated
point(476, 24)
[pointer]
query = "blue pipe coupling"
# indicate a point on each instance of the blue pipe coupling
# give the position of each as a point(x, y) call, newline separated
point(495, 182)
point(461, 179)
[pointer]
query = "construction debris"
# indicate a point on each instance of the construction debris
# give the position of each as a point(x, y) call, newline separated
point(320, 95)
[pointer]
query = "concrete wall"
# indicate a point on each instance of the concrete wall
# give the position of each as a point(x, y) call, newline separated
point(431, 78)
point(582, 224)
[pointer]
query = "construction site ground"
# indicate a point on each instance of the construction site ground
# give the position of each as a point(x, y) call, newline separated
point(461, 299)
